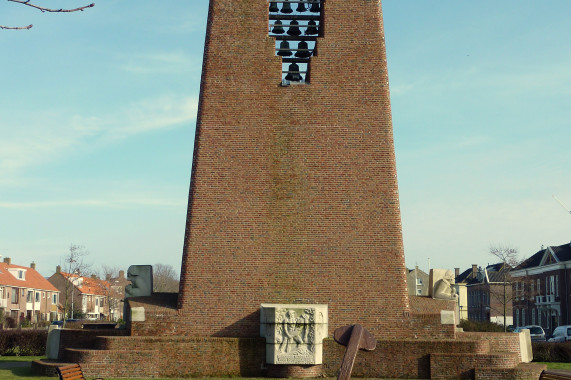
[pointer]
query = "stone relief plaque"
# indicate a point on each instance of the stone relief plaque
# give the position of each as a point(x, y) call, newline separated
point(294, 333)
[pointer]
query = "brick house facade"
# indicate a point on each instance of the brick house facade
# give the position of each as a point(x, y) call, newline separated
point(88, 295)
point(486, 293)
point(26, 295)
point(542, 288)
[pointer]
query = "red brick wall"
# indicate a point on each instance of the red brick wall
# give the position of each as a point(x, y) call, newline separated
point(294, 193)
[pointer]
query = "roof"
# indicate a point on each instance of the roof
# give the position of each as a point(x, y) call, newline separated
point(32, 280)
point(492, 273)
point(548, 255)
point(89, 285)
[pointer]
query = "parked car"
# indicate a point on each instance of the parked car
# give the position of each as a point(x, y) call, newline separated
point(536, 332)
point(561, 334)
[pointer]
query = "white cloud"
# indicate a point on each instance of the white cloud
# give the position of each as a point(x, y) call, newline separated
point(49, 136)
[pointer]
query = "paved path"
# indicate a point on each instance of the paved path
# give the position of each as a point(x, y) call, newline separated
point(8, 365)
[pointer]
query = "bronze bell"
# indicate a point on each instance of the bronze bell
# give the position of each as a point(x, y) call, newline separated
point(286, 7)
point(273, 7)
point(284, 50)
point(315, 7)
point(311, 28)
point(277, 29)
point(301, 7)
point(293, 74)
point(303, 50)
point(294, 28)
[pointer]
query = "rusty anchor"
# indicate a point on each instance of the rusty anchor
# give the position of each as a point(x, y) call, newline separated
point(355, 338)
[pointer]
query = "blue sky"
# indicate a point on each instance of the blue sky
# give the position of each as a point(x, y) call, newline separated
point(98, 109)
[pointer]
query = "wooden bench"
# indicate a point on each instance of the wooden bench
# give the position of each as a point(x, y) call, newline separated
point(71, 372)
point(555, 375)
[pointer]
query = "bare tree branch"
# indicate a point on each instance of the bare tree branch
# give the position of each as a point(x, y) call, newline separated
point(16, 27)
point(43, 9)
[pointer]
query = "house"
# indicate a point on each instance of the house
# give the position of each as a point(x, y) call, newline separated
point(417, 282)
point(81, 296)
point(488, 293)
point(541, 288)
point(26, 295)
point(117, 295)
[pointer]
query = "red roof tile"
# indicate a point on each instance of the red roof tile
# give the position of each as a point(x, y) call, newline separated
point(89, 285)
point(32, 279)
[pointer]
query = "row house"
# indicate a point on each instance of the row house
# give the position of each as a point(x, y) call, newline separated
point(417, 282)
point(542, 289)
point(489, 295)
point(117, 295)
point(26, 295)
point(89, 296)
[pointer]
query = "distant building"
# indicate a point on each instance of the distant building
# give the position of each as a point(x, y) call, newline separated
point(542, 288)
point(485, 294)
point(117, 295)
point(26, 295)
point(88, 295)
point(417, 282)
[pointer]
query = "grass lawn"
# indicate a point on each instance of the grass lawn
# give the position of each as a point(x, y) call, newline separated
point(553, 365)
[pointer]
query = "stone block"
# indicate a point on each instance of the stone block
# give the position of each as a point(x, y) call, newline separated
point(294, 332)
point(137, 314)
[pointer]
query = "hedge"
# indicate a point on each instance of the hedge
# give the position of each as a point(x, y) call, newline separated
point(551, 352)
point(23, 342)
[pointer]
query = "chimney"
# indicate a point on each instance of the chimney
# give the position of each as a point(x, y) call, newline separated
point(33, 266)
point(121, 274)
point(58, 269)
point(474, 269)
point(94, 277)
point(456, 272)
point(8, 260)
point(107, 277)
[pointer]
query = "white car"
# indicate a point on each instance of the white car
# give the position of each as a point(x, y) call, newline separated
point(561, 334)
point(536, 332)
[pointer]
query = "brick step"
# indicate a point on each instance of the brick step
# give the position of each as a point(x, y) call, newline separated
point(521, 371)
point(463, 366)
point(115, 363)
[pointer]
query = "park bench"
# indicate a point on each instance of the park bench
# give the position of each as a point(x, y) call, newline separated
point(71, 372)
point(555, 375)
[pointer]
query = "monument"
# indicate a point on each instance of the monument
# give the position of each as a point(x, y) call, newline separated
point(293, 210)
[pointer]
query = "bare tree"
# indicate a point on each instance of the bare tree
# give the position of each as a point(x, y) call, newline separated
point(74, 266)
point(509, 258)
point(43, 9)
point(165, 278)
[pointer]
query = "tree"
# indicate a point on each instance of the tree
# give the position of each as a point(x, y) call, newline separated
point(43, 9)
point(74, 266)
point(509, 258)
point(165, 279)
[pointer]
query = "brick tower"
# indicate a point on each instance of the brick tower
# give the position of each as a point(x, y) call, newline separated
point(293, 200)
point(293, 195)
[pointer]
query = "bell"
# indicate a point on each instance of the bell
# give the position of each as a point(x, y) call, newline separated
point(303, 50)
point(273, 7)
point(284, 49)
point(315, 7)
point(294, 28)
point(277, 29)
point(286, 7)
point(295, 75)
point(301, 7)
point(311, 28)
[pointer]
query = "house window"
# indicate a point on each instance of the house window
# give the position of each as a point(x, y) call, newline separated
point(96, 301)
point(30, 296)
point(533, 316)
point(551, 284)
point(517, 317)
point(556, 285)
point(54, 300)
point(523, 317)
point(538, 287)
point(15, 294)
point(419, 281)
point(37, 296)
point(20, 274)
point(532, 285)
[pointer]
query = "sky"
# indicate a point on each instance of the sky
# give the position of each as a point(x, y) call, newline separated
point(98, 112)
